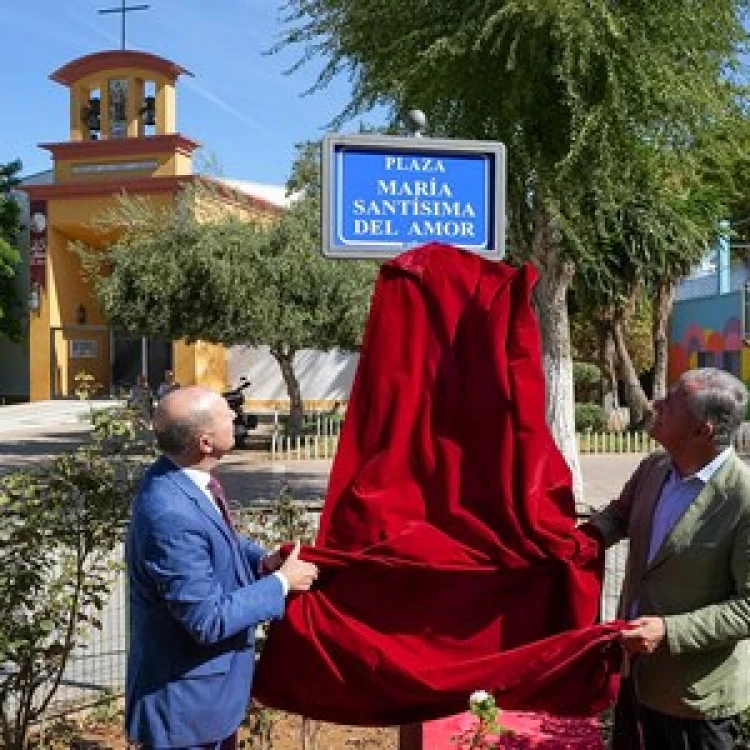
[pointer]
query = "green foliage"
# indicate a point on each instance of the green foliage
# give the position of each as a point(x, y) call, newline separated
point(582, 94)
point(589, 417)
point(10, 304)
point(209, 275)
point(85, 387)
point(744, 738)
point(483, 736)
point(282, 520)
point(218, 278)
point(62, 522)
point(624, 125)
point(586, 379)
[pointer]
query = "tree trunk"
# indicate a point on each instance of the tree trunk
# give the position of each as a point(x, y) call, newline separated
point(284, 355)
point(639, 405)
point(608, 366)
point(662, 309)
point(550, 297)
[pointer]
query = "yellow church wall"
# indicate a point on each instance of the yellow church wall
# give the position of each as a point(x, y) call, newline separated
point(93, 80)
point(77, 215)
point(215, 204)
point(181, 164)
point(745, 364)
point(53, 369)
point(200, 363)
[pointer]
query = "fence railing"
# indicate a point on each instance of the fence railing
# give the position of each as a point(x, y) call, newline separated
point(640, 442)
point(615, 442)
point(322, 443)
point(320, 439)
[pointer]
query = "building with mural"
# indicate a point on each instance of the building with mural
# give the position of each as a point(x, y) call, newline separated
point(710, 322)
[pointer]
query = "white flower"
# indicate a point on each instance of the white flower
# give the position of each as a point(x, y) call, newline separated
point(479, 696)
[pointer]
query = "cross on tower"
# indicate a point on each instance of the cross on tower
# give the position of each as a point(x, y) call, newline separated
point(123, 9)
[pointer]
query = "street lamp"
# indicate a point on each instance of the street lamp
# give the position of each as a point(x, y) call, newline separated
point(35, 299)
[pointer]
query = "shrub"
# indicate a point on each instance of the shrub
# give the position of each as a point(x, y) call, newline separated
point(60, 522)
point(586, 379)
point(589, 417)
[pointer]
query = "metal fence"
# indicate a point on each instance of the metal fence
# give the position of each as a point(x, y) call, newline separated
point(640, 442)
point(321, 441)
point(96, 668)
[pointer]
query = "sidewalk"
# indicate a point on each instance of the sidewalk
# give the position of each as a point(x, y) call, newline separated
point(604, 475)
point(41, 415)
point(249, 477)
point(37, 430)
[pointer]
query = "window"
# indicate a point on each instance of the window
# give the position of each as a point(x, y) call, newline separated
point(83, 349)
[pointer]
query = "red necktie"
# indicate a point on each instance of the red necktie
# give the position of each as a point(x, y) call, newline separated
point(215, 488)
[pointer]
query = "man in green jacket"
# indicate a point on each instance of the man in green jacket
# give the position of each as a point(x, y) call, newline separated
point(686, 592)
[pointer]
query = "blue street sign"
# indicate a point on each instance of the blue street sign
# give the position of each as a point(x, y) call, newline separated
point(383, 194)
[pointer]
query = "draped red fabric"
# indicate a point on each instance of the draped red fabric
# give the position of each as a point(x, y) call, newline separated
point(449, 556)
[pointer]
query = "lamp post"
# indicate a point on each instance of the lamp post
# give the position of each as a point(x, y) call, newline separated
point(416, 122)
point(35, 299)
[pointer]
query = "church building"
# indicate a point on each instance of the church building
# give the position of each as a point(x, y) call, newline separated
point(123, 138)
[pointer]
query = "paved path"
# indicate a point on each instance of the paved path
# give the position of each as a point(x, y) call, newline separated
point(250, 477)
point(44, 415)
point(29, 432)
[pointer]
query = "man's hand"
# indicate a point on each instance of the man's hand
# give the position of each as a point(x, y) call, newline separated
point(299, 574)
point(643, 635)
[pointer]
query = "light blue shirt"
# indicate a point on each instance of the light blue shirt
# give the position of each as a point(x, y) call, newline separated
point(676, 496)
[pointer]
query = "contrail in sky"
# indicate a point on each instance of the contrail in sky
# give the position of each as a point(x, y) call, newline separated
point(209, 96)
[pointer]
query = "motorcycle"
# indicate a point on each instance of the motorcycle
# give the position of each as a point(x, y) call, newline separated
point(243, 423)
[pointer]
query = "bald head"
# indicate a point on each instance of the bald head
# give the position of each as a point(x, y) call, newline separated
point(183, 416)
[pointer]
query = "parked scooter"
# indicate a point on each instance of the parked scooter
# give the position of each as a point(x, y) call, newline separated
point(243, 422)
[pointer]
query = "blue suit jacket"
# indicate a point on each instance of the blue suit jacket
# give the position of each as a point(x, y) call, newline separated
point(195, 600)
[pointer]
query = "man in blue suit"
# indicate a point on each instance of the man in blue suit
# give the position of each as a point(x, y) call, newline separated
point(197, 588)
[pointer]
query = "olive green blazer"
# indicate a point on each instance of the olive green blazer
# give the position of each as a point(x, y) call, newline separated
point(699, 582)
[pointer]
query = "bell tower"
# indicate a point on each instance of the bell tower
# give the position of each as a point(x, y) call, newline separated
point(120, 95)
point(122, 104)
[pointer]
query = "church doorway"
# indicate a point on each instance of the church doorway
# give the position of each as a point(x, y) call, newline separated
point(133, 355)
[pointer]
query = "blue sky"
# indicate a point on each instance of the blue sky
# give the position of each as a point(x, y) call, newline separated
point(240, 105)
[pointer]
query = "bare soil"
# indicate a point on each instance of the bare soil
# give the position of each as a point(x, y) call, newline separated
point(101, 729)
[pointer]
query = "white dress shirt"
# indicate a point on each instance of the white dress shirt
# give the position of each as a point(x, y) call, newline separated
point(201, 479)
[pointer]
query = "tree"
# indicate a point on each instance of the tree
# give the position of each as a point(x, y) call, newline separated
point(209, 275)
point(62, 522)
point(10, 307)
point(573, 89)
point(308, 301)
point(676, 211)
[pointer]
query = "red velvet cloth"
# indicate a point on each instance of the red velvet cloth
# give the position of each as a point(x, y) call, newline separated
point(448, 549)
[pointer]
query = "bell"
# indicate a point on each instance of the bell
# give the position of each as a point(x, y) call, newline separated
point(148, 110)
point(91, 116)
